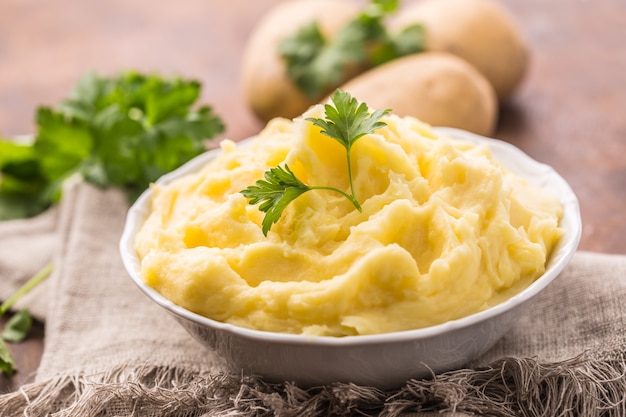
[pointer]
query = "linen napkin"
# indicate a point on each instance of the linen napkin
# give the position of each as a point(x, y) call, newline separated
point(111, 352)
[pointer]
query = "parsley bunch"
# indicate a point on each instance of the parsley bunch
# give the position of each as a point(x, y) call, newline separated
point(123, 131)
point(317, 64)
point(345, 121)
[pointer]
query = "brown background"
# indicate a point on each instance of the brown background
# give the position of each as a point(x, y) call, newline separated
point(570, 111)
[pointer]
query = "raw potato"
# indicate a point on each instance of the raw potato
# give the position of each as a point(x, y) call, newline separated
point(438, 88)
point(479, 31)
point(266, 86)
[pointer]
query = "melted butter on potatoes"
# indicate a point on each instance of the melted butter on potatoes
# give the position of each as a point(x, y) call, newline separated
point(445, 231)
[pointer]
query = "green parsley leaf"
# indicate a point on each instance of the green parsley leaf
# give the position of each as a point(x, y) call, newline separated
point(346, 122)
point(310, 61)
point(279, 188)
point(23, 190)
point(18, 326)
point(7, 364)
point(317, 64)
point(124, 131)
point(61, 144)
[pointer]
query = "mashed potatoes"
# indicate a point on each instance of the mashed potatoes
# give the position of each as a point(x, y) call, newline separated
point(445, 231)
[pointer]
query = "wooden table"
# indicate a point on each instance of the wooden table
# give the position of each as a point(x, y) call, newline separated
point(569, 113)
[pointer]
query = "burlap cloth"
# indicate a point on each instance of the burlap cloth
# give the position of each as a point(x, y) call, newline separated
point(109, 351)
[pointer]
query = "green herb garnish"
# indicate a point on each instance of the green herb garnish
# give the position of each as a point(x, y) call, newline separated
point(317, 64)
point(346, 122)
point(123, 131)
point(19, 325)
point(7, 364)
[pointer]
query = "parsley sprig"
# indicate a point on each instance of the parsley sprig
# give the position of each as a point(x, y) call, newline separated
point(346, 121)
point(317, 64)
point(123, 131)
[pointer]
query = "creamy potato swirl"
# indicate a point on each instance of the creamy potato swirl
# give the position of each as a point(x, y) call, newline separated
point(445, 231)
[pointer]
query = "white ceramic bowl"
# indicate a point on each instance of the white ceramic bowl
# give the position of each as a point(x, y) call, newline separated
point(386, 360)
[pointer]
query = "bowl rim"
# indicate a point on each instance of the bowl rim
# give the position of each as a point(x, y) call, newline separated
point(560, 257)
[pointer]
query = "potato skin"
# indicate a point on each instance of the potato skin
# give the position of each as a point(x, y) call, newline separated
point(266, 87)
point(438, 88)
point(480, 31)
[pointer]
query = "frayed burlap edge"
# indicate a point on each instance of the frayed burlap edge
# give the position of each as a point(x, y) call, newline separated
point(581, 386)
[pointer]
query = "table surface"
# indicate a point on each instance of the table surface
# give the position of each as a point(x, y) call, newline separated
point(570, 112)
